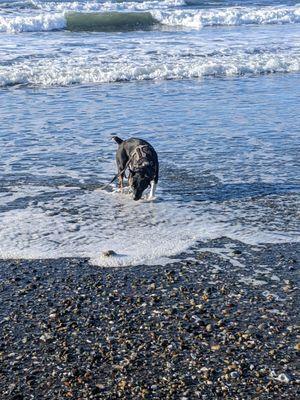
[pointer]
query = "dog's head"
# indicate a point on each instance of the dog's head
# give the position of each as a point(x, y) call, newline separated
point(138, 181)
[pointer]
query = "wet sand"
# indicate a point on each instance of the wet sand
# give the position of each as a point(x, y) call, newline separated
point(221, 322)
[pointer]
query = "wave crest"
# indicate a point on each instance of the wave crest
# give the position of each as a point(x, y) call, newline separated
point(94, 6)
point(231, 16)
point(87, 70)
point(36, 23)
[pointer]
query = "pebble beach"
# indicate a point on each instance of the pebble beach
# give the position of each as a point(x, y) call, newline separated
point(220, 324)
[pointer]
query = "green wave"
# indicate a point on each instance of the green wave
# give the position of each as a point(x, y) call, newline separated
point(109, 21)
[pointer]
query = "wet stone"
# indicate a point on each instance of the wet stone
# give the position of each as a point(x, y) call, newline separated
point(108, 253)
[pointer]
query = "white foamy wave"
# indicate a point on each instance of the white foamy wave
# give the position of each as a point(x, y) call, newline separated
point(196, 19)
point(138, 232)
point(228, 16)
point(152, 231)
point(136, 67)
point(33, 23)
point(94, 6)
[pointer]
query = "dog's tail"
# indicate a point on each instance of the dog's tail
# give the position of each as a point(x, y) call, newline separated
point(117, 139)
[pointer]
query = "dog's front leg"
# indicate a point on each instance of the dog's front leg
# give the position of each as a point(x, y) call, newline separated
point(120, 183)
point(152, 190)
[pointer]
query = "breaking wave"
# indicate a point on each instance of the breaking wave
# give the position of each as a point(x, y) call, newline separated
point(35, 23)
point(106, 22)
point(114, 21)
point(94, 69)
point(231, 16)
point(75, 21)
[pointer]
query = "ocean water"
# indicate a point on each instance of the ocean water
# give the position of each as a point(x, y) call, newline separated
point(213, 85)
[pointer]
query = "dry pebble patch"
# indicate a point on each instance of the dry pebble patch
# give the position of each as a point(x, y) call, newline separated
point(194, 329)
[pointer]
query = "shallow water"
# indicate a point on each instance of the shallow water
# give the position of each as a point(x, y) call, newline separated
point(218, 101)
point(228, 154)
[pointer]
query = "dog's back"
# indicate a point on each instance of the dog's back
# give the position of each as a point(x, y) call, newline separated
point(129, 145)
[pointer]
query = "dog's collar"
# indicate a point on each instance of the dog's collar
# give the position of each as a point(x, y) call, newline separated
point(138, 158)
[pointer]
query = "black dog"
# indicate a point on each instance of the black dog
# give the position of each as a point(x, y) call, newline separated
point(141, 159)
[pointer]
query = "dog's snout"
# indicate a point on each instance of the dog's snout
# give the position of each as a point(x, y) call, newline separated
point(136, 197)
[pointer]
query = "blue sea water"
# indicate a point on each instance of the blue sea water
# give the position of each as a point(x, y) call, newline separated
point(213, 85)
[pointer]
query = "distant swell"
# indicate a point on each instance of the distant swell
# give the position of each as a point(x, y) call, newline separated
point(21, 5)
point(114, 21)
point(95, 6)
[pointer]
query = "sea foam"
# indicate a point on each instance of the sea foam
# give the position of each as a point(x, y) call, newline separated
point(33, 23)
point(94, 6)
point(138, 232)
point(87, 69)
point(231, 16)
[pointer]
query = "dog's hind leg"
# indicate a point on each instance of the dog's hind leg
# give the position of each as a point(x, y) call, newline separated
point(121, 160)
point(120, 182)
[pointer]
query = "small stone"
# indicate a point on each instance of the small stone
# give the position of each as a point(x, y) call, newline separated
point(283, 378)
point(297, 346)
point(237, 252)
point(45, 337)
point(108, 253)
point(204, 369)
point(122, 384)
point(286, 288)
point(205, 297)
point(100, 386)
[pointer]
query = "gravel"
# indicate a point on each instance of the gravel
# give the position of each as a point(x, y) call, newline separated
point(220, 322)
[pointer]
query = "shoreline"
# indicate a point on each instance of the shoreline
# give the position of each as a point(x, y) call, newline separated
point(221, 323)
